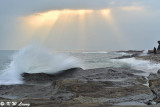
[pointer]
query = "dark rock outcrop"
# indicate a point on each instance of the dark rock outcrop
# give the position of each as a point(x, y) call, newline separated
point(41, 78)
point(94, 87)
point(158, 71)
point(158, 49)
point(127, 56)
point(154, 84)
point(151, 57)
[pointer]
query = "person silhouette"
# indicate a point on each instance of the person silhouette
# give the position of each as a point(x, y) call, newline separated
point(158, 49)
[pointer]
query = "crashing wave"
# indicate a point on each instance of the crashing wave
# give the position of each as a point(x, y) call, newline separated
point(36, 59)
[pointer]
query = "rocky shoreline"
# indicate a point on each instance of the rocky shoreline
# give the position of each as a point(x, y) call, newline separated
point(151, 57)
point(139, 55)
point(99, 87)
point(78, 87)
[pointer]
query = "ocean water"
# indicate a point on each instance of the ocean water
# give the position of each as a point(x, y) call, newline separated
point(104, 59)
point(37, 59)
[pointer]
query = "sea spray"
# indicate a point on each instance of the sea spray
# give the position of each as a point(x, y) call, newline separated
point(144, 53)
point(36, 59)
point(123, 53)
point(134, 63)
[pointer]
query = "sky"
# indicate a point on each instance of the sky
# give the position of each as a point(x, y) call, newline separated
point(80, 24)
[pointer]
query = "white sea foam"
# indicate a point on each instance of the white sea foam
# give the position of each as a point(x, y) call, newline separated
point(144, 53)
point(144, 65)
point(35, 59)
point(123, 53)
point(96, 52)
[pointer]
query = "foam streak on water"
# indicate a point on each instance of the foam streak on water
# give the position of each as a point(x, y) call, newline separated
point(35, 59)
point(133, 63)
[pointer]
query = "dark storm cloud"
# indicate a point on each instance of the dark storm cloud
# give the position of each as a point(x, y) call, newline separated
point(25, 7)
point(33, 6)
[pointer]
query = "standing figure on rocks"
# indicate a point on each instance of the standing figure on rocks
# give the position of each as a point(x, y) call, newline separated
point(158, 49)
point(154, 50)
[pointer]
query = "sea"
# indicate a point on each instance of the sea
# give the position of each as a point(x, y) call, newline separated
point(38, 59)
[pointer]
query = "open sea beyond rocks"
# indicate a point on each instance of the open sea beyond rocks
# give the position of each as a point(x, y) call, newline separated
point(43, 78)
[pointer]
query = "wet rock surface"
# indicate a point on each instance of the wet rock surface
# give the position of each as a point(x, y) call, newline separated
point(151, 57)
point(132, 53)
point(154, 84)
point(78, 87)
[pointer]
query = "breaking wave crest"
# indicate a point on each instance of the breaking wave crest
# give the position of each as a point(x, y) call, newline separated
point(134, 63)
point(36, 59)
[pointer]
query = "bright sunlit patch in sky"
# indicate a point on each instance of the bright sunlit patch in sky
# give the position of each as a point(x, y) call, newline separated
point(106, 13)
point(42, 19)
point(46, 20)
point(49, 18)
point(41, 24)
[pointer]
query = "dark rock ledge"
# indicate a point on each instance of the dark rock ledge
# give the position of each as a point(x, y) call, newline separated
point(133, 53)
point(85, 88)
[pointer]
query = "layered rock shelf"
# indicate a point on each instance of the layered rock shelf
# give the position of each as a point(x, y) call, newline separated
point(78, 87)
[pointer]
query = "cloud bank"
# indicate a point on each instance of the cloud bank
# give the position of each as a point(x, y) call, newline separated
point(130, 23)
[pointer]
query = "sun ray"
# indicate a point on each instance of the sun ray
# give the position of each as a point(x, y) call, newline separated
point(107, 14)
point(40, 25)
point(46, 20)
